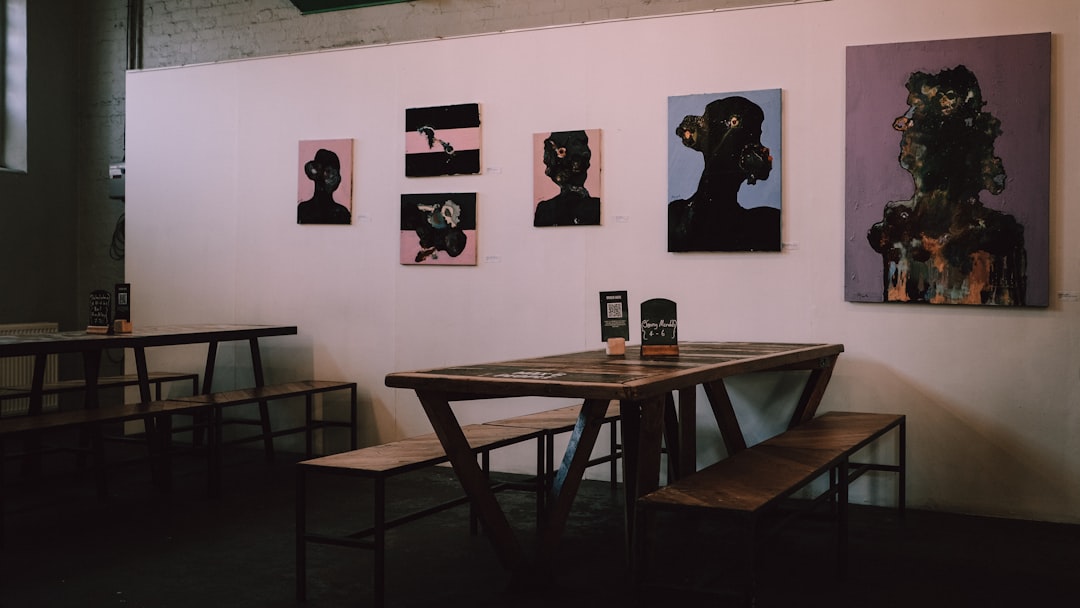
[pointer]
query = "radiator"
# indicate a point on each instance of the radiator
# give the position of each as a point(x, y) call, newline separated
point(19, 371)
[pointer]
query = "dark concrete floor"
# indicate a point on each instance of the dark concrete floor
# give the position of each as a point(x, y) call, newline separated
point(65, 547)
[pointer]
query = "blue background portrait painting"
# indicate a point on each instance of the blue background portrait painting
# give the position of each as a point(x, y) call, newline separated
point(724, 171)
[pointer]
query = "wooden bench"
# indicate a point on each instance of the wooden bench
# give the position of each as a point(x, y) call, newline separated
point(157, 379)
point(562, 420)
point(264, 394)
point(159, 412)
point(157, 417)
point(755, 480)
point(381, 462)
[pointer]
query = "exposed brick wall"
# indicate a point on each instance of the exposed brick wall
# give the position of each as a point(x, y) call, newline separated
point(182, 32)
point(102, 59)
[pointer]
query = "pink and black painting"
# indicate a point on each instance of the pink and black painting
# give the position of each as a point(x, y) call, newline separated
point(442, 140)
point(566, 178)
point(947, 188)
point(438, 229)
point(324, 188)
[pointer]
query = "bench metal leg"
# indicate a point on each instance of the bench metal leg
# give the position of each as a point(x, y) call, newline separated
point(264, 406)
point(541, 485)
point(379, 538)
point(474, 517)
point(751, 531)
point(901, 490)
point(301, 535)
point(671, 438)
point(842, 520)
point(2, 467)
point(354, 426)
point(163, 429)
point(213, 450)
point(308, 420)
point(614, 443)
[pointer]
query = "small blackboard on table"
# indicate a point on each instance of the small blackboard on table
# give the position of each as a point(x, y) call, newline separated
point(100, 312)
point(659, 328)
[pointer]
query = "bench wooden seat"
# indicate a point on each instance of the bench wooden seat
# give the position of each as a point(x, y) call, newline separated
point(157, 379)
point(159, 412)
point(562, 420)
point(264, 394)
point(756, 479)
point(157, 416)
point(381, 462)
point(119, 412)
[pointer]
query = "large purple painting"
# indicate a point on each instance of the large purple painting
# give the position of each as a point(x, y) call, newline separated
point(947, 196)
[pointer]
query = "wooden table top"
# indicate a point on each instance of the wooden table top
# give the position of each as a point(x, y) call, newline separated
point(74, 341)
point(597, 375)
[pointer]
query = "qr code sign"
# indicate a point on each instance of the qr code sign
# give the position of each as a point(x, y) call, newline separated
point(615, 310)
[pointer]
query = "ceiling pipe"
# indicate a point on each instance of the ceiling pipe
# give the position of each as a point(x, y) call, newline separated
point(134, 35)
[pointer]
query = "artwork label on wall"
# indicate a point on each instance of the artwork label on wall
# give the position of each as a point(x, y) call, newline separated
point(442, 140)
point(724, 171)
point(948, 179)
point(438, 229)
point(325, 182)
point(566, 178)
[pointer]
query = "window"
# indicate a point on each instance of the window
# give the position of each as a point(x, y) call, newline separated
point(13, 154)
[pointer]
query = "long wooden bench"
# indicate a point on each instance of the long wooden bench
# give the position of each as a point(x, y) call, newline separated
point(563, 420)
point(381, 462)
point(159, 412)
point(157, 417)
point(34, 451)
point(157, 380)
point(756, 480)
point(264, 394)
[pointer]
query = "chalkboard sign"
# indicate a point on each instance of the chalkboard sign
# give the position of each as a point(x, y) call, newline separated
point(100, 311)
point(659, 328)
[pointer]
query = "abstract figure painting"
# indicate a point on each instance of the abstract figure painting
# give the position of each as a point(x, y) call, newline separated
point(438, 229)
point(442, 140)
point(566, 178)
point(325, 182)
point(716, 144)
point(948, 172)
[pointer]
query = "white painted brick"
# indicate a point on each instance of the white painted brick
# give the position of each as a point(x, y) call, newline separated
point(272, 27)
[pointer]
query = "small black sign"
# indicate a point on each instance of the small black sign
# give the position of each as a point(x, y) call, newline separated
point(123, 301)
point(100, 308)
point(614, 315)
point(659, 326)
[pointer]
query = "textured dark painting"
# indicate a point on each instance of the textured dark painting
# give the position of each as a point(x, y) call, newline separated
point(442, 140)
point(947, 195)
point(324, 187)
point(438, 229)
point(566, 178)
point(724, 171)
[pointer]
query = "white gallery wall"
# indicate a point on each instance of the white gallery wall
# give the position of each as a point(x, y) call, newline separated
point(992, 395)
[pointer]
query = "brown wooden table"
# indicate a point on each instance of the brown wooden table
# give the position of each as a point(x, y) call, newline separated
point(644, 387)
point(91, 346)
